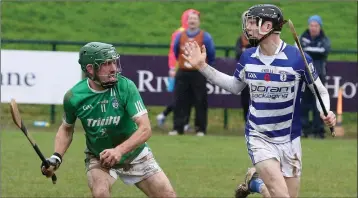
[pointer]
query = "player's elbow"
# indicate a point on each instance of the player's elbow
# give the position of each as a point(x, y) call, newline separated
point(147, 131)
point(65, 132)
point(144, 127)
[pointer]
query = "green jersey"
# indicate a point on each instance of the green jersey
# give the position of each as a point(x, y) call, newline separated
point(106, 116)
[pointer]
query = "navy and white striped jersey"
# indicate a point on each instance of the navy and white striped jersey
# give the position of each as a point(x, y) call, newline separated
point(275, 83)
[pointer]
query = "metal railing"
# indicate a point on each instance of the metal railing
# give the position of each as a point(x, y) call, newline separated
point(55, 43)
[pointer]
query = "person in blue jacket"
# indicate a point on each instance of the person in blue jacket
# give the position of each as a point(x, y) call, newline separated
point(315, 43)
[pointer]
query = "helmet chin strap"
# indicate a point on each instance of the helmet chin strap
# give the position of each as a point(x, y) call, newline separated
point(105, 85)
point(255, 42)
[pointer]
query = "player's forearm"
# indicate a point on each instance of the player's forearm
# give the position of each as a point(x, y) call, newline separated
point(143, 133)
point(63, 139)
point(323, 92)
point(229, 83)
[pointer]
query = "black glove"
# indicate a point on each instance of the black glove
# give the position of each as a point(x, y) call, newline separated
point(54, 161)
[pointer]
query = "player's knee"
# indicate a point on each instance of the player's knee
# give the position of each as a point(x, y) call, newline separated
point(277, 191)
point(100, 191)
point(166, 190)
point(162, 193)
point(274, 186)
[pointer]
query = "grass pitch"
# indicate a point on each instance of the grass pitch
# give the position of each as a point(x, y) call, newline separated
point(211, 166)
point(208, 166)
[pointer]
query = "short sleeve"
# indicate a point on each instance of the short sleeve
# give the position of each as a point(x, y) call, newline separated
point(135, 106)
point(307, 73)
point(69, 116)
point(239, 71)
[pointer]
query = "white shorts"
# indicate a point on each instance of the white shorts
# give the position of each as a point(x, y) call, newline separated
point(288, 154)
point(142, 167)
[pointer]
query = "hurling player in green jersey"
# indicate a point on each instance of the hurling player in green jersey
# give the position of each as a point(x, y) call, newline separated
point(116, 126)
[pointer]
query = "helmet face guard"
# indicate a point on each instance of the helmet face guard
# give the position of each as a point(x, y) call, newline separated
point(253, 39)
point(104, 80)
point(258, 15)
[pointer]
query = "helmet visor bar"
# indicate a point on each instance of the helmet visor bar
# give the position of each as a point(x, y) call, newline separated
point(110, 77)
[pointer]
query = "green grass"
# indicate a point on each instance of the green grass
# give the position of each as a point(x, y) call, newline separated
point(153, 22)
point(207, 167)
point(211, 166)
point(31, 113)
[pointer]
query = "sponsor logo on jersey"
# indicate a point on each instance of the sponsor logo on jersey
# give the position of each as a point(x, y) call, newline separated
point(110, 120)
point(115, 103)
point(271, 92)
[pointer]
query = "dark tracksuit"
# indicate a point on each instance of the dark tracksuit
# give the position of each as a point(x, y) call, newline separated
point(190, 84)
point(241, 43)
point(318, 48)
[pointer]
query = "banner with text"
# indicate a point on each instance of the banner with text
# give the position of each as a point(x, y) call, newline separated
point(150, 75)
point(43, 77)
point(37, 77)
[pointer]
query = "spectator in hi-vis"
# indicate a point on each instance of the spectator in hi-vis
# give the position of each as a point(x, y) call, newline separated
point(190, 84)
point(173, 66)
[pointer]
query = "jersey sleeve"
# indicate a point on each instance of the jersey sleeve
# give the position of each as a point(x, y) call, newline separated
point(69, 116)
point(239, 71)
point(135, 106)
point(306, 72)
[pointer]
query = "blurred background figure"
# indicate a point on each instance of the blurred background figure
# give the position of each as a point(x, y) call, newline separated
point(190, 84)
point(315, 43)
point(172, 64)
point(241, 45)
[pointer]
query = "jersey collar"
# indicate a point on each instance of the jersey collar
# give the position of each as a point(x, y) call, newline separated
point(282, 46)
point(95, 91)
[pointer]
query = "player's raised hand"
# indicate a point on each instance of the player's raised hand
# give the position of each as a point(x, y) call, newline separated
point(195, 54)
point(110, 157)
point(330, 119)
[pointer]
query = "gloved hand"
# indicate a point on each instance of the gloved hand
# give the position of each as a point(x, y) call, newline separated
point(54, 161)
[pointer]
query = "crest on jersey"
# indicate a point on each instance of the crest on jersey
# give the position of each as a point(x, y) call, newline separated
point(115, 103)
point(283, 76)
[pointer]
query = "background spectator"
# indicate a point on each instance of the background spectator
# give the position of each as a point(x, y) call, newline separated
point(241, 45)
point(190, 84)
point(172, 64)
point(315, 43)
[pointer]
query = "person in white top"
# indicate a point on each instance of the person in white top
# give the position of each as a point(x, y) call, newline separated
point(275, 73)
